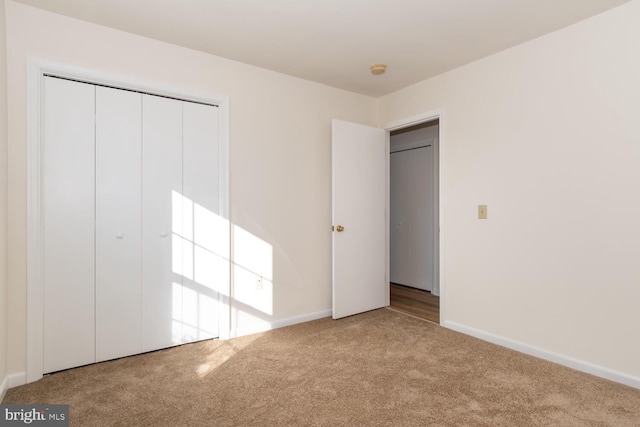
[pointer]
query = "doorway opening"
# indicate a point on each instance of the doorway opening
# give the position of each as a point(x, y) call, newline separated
point(414, 274)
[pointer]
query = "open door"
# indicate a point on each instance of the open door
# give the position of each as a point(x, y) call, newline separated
point(358, 208)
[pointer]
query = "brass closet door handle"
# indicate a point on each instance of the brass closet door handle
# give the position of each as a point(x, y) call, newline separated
point(339, 229)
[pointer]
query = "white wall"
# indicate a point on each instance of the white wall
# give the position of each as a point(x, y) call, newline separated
point(280, 150)
point(547, 135)
point(3, 200)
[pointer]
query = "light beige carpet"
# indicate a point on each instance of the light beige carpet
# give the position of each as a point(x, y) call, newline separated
point(380, 368)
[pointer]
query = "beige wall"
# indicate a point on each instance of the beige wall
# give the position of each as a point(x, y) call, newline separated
point(547, 135)
point(280, 133)
point(3, 196)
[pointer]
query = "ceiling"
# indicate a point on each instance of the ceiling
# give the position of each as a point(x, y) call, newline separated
point(334, 42)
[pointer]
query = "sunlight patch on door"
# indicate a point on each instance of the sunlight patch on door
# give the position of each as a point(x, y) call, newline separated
point(200, 262)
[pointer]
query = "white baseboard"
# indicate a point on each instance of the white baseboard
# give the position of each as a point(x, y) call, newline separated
point(560, 359)
point(19, 378)
point(10, 381)
point(267, 326)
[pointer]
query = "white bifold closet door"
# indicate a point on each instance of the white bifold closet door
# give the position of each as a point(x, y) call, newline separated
point(135, 248)
point(118, 222)
point(185, 241)
point(68, 224)
point(205, 238)
point(162, 179)
point(412, 230)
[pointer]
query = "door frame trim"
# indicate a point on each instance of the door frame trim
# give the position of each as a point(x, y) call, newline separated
point(36, 69)
point(438, 114)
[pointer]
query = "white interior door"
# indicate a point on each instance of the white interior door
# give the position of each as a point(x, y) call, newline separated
point(358, 204)
point(118, 222)
point(161, 183)
point(68, 223)
point(205, 240)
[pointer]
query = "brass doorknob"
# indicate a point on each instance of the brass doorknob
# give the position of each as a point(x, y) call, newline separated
point(339, 229)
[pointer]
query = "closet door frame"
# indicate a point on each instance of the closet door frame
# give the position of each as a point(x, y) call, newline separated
point(36, 70)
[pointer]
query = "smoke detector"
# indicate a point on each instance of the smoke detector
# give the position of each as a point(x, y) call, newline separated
point(377, 69)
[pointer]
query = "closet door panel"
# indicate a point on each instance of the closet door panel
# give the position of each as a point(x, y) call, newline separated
point(205, 230)
point(161, 196)
point(399, 230)
point(421, 208)
point(118, 223)
point(201, 158)
point(68, 206)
